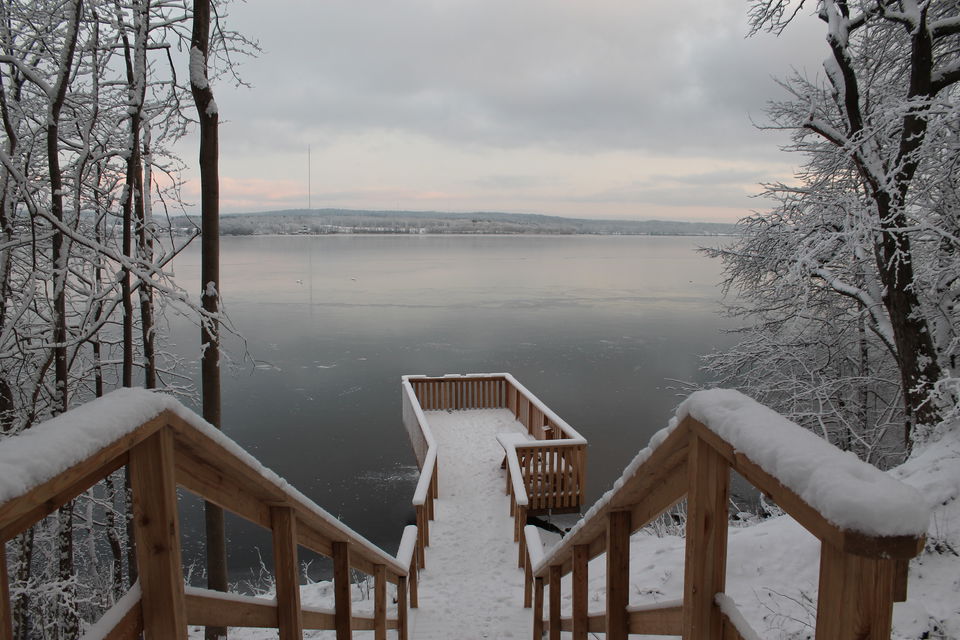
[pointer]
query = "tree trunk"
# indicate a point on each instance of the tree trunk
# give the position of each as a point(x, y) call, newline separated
point(209, 277)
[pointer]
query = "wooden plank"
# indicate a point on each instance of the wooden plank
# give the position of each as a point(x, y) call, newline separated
point(314, 540)
point(286, 571)
point(855, 598)
point(706, 546)
point(555, 576)
point(581, 559)
point(313, 619)
point(210, 611)
point(618, 575)
point(157, 533)
point(341, 590)
point(665, 621)
point(538, 609)
point(402, 612)
point(6, 618)
point(380, 602)
point(20, 513)
point(807, 516)
point(195, 474)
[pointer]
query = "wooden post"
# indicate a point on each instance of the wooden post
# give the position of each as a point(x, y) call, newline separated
point(157, 534)
point(380, 602)
point(538, 609)
point(520, 522)
point(402, 612)
point(341, 590)
point(414, 596)
point(581, 556)
point(6, 619)
point(618, 575)
point(421, 536)
point(555, 602)
point(286, 571)
point(527, 583)
point(706, 547)
point(856, 596)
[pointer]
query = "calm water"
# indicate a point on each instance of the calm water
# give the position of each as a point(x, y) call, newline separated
point(597, 327)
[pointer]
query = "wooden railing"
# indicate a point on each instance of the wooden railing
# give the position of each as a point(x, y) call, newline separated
point(861, 574)
point(552, 460)
point(171, 448)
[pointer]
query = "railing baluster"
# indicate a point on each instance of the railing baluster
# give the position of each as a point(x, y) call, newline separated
point(422, 533)
point(157, 533)
point(618, 575)
point(414, 588)
point(402, 612)
point(343, 608)
point(527, 582)
point(286, 572)
point(581, 556)
point(555, 573)
point(519, 522)
point(380, 602)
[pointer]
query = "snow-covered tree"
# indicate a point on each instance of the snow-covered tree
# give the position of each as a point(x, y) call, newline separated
point(91, 101)
point(868, 234)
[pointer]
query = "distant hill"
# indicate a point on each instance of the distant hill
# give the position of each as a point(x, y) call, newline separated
point(331, 221)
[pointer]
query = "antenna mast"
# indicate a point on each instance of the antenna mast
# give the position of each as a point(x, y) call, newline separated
point(309, 176)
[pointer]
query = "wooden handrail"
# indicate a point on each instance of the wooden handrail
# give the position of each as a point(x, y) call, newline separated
point(554, 459)
point(694, 459)
point(166, 445)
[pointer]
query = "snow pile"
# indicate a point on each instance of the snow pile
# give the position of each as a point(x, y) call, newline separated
point(848, 492)
point(50, 448)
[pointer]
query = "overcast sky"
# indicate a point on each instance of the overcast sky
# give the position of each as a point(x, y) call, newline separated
point(598, 108)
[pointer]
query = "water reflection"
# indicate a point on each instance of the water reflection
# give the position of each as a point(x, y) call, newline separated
point(596, 326)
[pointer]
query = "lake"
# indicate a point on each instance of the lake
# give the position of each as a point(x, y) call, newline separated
point(599, 327)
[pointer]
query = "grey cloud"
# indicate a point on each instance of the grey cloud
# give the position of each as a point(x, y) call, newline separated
point(577, 77)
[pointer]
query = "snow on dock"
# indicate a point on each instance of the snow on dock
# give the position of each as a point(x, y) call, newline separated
point(471, 587)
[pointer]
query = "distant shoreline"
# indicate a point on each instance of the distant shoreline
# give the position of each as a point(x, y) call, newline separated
point(480, 235)
point(353, 222)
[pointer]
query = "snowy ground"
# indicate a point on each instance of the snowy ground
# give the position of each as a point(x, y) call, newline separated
point(472, 589)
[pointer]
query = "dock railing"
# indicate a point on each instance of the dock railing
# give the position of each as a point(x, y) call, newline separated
point(166, 446)
point(546, 467)
point(861, 573)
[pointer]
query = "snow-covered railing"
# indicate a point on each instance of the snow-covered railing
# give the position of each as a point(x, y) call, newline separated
point(164, 445)
point(869, 525)
point(425, 450)
point(552, 461)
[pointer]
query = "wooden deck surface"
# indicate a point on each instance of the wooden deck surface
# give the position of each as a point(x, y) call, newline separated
point(471, 587)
